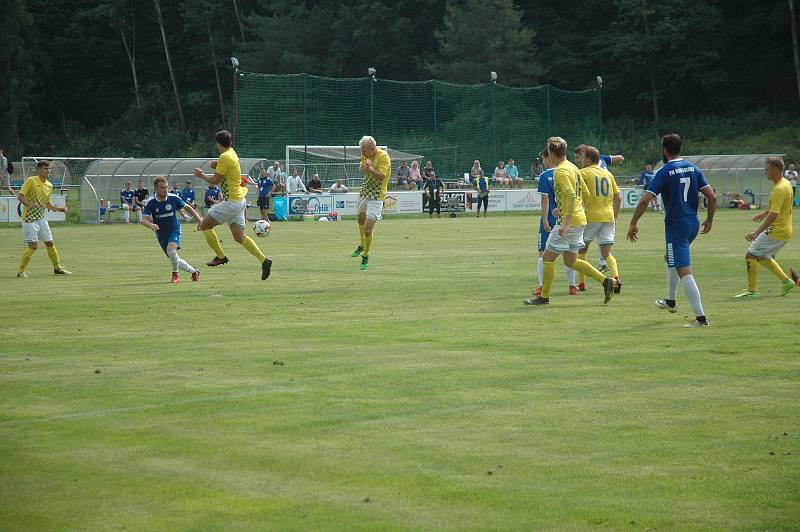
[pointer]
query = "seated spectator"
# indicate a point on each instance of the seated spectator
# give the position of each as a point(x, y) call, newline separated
point(513, 174)
point(476, 171)
point(278, 176)
point(433, 190)
point(414, 175)
point(501, 175)
point(212, 196)
point(294, 184)
point(338, 187)
point(128, 203)
point(315, 185)
point(265, 187)
point(404, 177)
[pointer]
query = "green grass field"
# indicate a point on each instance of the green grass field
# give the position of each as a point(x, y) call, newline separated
point(420, 394)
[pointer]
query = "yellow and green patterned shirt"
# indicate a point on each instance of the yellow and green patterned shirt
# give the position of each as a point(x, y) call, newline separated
point(228, 167)
point(36, 191)
point(372, 188)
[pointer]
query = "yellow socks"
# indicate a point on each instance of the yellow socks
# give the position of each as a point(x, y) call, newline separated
point(549, 272)
point(52, 252)
point(581, 266)
point(361, 232)
point(612, 266)
point(26, 258)
point(367, 243)
point(773, 266)
point(213, 242)
point(581, 275)
point(752, 274)
point(251, 246)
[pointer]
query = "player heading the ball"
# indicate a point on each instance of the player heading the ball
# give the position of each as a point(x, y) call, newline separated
point(377, 168)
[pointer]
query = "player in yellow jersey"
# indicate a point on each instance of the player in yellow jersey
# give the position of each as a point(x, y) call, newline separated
point(231, 210)
point(35, 197)
point(567, 236)
point(601, 205)
point(377, 169)
point(773, 233)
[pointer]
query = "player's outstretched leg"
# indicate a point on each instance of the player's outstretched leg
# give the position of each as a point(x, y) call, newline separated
point(52, 254)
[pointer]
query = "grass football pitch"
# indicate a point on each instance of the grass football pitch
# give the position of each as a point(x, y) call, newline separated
point(420, 394)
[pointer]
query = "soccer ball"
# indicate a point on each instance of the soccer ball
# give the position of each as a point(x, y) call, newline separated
point(262, 228)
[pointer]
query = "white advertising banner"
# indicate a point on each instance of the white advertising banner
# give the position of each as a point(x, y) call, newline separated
point(402, 202)
point(523, 200)
point(11, 209)
point(346, 204)
point(630, 196)
point(300, 204)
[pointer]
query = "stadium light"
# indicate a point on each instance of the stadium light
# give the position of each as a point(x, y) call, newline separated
point(234, 62)
point(599, 81)
point(371, 72)
point(493, 76)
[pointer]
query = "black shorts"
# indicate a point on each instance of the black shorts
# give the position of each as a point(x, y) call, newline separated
point(263, 202)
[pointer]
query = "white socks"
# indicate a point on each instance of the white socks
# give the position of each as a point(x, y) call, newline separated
point(570, 276)
point(139, 215)
point(179, 263)
point(540, 270)
point(673, 280)
point(693, 294)
point(127, 215)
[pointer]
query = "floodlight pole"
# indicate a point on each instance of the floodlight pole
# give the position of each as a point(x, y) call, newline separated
point(600, 105)
point(235, 122)
point(493, 77)
point(371, 72)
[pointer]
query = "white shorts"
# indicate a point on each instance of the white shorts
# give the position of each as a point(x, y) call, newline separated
point(603, 232)
point(36, 231)
point(229, 212)
point(372, 207)
point(572, 241)
point(764, 246)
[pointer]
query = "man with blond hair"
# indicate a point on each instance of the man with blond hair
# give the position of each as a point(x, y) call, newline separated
point(377, 169)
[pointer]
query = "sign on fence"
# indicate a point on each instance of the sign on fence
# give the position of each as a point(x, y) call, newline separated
point(11, 209)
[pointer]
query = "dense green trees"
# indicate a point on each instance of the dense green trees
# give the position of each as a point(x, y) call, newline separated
point(90, 77)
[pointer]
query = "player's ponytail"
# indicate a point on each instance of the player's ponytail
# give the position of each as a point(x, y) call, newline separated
point(557, 147)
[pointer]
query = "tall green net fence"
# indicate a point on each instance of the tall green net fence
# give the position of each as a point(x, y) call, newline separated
point(447, 123)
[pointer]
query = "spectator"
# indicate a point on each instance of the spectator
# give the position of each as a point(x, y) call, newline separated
point(414, 175)
point(278, 176)
point(476, 171)
point(501, 175)
point(315, 185)
point(140, 199)
point(174, 190)
point(212, 196)
point(482, 186)
point(127, 201)
point(187, 194)
point(404, 177)
point(644, 181)
point(513, 175)
point(537, 167)
point(338, 187)
point(790, 174)
point(433, 190)
point(427, 173)
point(5, 175)
point(294, 183)
point(265, 188)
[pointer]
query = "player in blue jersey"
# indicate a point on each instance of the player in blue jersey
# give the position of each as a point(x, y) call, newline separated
point(127, 203)
point(160, 215)
point(547, 221)
point(645, 178)
point(678, 182)
point(265, 187)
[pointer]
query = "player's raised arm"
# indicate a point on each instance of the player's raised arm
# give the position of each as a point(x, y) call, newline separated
point(215, 179)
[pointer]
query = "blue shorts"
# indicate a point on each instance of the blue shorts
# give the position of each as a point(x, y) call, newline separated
point(542, 239)
point(679, 236)
point(165, 239)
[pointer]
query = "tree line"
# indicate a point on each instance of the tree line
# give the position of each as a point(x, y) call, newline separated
point(154, 77)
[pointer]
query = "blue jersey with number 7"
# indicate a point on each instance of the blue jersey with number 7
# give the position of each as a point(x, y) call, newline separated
point(678, 182)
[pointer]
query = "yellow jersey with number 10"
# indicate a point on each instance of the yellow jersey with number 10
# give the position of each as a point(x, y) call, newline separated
point(228, 167)
point(601, 188)
point(569, 189)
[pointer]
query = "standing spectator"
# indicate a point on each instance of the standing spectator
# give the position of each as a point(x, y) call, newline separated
point(476, 171)
point(790, 174)
point(338, 187)
point(414, 175)
point(513, 175)
point(645, 178)
point(433, 189)
point(482, 186)
point(212, 195)
point(174, 190)
point(427, 173)
point(501, 175)
point(404, 177)
point(5, 174)
point(127, 200)
point(537, 167)
point(315, 185)
point(265, 188)
point(295, 183)
point(278, 176)
point(140, 199)
point(187, 194)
